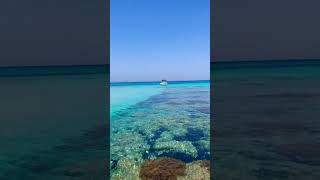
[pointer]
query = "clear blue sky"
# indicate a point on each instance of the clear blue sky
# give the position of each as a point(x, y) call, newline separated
point(155, 39)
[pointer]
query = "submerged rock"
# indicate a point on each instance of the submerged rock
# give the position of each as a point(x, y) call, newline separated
point(165, 136)
point(184, 147)
point(127, 168)
point(153, 129)
point(198, 170)
point(128, 145)
point(162, 168)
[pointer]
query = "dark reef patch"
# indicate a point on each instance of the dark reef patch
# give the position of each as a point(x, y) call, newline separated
point(173, 103)
point(163, 169)
point(194, 116)
point(178, 155)
point(194, 134)
point(113, 164)
point(193, 102)
point(202, 152)
point(162, 98)
point(204, 110)
point(156, 136)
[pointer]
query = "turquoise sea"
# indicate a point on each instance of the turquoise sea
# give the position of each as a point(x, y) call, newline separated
point(266, 122)
point(149, 121)
point(53, 123)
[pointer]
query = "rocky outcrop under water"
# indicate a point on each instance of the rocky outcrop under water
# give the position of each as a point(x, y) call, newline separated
point(164, 168)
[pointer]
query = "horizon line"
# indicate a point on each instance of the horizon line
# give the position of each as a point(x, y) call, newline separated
point(158, 81)
point(213, 61)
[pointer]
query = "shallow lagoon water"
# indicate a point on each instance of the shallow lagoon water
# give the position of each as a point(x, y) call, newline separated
point(173, 121)
point(124, 95)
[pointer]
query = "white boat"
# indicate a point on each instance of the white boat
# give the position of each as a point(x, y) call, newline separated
point(163, 82)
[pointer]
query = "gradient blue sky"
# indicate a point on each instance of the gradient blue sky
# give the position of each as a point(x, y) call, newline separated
point(155, 39)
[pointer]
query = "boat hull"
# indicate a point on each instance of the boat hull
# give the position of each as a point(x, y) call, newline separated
point(163, 83)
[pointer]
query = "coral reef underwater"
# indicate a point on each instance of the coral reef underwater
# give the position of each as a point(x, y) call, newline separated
point(166, 135)
point(162, 168)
